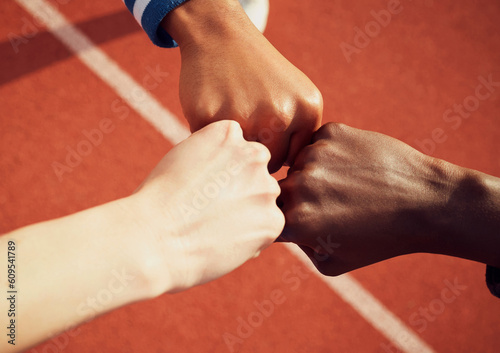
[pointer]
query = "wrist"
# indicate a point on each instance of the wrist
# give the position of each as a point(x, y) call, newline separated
point(202, 21)
point(435, 214)
point(467, 224)
point(142, 238)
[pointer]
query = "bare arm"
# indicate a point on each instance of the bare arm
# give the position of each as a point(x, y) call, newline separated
point(167, 237)
point(231, 71)
point(356, 197)
point(71, 269)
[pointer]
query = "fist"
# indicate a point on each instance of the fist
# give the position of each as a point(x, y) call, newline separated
point(211, 205)
point(355, 197)
point(240, 76)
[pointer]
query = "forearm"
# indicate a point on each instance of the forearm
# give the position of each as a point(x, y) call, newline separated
point(70, 270)
point(469, 226)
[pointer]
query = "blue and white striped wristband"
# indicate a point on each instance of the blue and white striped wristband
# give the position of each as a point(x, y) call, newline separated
point(149, 14)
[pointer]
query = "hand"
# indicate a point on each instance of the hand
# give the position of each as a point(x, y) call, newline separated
point(230, 71)
point(355, 197)
point(208, 206)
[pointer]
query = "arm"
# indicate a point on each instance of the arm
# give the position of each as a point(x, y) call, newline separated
point(355, 197)
point(61, 264)
point(230, 71)
point(166, 237)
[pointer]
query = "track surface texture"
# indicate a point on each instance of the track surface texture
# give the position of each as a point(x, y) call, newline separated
point(416, 67)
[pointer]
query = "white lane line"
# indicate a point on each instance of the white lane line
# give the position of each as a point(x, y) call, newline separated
point(166, 123)
point(371, 309)
point(108, 70)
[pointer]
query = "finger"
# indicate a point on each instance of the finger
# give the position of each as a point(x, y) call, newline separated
point(293, 192)
point(219, 131)
point(284, 195)
point(298, 141)
point(308, 158)
point(275, 139)
point(334, 131)
point(278, 145)
point(257, 152)
point(300, 161)
point(327, 131)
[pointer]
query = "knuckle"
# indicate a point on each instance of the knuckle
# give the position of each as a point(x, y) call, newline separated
point(330, 130)
point(233, 129)
point(223, 132)
point(267, 135)
point(303, 179)
point(298, 214)
point(269, 190)
point(278, 124)
point(304, 210)
point(200, 115)
point(268, 200)
point(339, 127)
point(294, 186)
point(317, 152)
point(272, 221)
point(280, 221)
point(205, 109)
point(230, 131)
point(270, 196)
point(275, 212)
point(315, 100)
point(277, 222)
point(258, 153)
point(311, 109)
point(274, 188)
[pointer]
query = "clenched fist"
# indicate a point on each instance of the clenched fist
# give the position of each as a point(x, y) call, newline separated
point(356, 197)
point(230, 71)
point(205, 209)
point(208, 206)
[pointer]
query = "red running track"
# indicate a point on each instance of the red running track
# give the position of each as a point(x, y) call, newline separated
point(427, 59)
